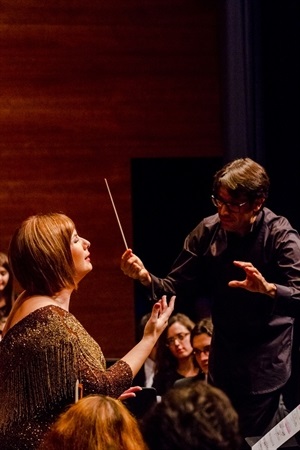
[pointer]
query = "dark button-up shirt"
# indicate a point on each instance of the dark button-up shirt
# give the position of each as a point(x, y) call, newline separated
point(252, 340)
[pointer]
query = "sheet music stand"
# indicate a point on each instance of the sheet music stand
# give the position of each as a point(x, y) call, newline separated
point(291, 444)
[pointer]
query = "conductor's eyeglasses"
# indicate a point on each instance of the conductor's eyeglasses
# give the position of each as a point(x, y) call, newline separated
point(205, 350)
point(233, 207)
point(178, 337)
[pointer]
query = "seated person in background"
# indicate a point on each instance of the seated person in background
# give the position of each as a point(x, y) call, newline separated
point(196, 416)
point(145, 375)
point(174, 357)
point(200, 339)
point(6, 290)
point(96, 422)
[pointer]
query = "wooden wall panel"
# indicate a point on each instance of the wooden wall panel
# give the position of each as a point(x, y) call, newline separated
point(85, 86)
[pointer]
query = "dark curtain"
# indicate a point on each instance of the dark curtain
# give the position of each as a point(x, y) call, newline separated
point(281, 104)
point(260, 78)
point(241, 78)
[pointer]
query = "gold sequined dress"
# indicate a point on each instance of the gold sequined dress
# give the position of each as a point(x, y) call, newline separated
point(41, 358)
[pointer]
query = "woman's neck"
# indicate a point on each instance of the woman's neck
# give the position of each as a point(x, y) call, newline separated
point(186, 367)
point(26, 304)
point(35, 301)
point(62, 299)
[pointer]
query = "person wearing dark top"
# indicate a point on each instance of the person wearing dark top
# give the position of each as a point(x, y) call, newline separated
point(248, 259)
point(201, 336)
point(174, 357)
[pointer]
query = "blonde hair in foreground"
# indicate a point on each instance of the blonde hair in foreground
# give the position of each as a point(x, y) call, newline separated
point(96, 422)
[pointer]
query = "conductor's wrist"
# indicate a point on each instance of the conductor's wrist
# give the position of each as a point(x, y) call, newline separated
point(271, 290)
point(145, 278)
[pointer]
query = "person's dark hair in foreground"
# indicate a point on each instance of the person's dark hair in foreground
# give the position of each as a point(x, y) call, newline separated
point(197, 416)
point(246, 258)
point(96, 422)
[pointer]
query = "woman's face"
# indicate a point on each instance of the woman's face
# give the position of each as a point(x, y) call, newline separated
point(4, 277)
point(178, 338)
point(81, 255)
point(201, 346)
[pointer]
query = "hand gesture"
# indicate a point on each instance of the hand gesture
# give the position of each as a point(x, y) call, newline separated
point(129, 393)
point(254, 280)
point(158, 320)
point(156, 324)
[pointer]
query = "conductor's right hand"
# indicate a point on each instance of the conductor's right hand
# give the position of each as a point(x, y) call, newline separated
point(134, 268)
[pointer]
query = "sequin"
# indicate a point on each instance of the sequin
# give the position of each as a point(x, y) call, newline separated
point(41, 358)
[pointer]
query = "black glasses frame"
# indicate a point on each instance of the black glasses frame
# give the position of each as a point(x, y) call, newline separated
point(205, 350)
point(233, 207)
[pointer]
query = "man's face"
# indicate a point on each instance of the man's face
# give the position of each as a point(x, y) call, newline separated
point(236, 214)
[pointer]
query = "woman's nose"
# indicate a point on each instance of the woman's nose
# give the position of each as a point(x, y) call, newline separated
point(86, 243)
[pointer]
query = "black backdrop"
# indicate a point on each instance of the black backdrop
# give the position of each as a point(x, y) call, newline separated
point(169, 197)
point(260, 72)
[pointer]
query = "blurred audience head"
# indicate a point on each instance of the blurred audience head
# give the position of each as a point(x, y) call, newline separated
point(96, 422)
point(197, 416)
